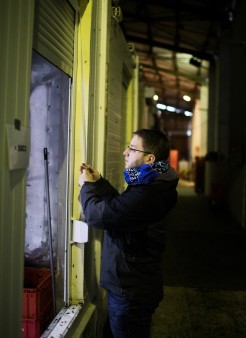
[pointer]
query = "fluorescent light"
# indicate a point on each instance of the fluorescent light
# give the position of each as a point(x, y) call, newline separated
point(170, 108)
point(161, 106)
point(188, 113)
point(187, 98)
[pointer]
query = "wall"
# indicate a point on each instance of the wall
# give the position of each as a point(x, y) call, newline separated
point(16, 20)
point(89, 106)
point(226, 117)
point(119, 114)
point(104, 90)
point(232, 141)
point(79, 141)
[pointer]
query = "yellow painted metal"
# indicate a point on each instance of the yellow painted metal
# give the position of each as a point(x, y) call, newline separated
point(80, 126)
point(16, 31)
point(98, 84)
point(88, 130)
point(88, 137)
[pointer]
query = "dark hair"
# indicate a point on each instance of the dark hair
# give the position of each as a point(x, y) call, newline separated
point(155, 142)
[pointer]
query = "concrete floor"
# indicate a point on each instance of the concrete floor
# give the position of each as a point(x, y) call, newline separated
point(204, 273)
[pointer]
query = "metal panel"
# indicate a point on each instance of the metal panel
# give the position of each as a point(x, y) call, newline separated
point(16, 31)
point(120, 70)
point(54, 32)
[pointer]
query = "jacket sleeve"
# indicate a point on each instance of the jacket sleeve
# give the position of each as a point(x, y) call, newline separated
point(93, 197)
point(132, 210)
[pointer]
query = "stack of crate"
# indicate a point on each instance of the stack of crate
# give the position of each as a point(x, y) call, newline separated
point(37, 307)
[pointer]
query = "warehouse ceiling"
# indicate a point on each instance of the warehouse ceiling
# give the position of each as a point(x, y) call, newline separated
point(176, 40)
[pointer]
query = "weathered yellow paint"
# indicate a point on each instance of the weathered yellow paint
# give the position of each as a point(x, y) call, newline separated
point(80, 140)
point(81, 100)
point(98, 87)
point(16, 31)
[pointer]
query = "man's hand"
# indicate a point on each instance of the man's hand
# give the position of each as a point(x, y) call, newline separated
point(88, 174)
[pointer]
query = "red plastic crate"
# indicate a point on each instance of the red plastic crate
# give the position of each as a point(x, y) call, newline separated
point(33, 328)
point(37, 292)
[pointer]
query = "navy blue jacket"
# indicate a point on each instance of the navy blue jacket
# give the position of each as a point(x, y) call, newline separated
point(135, 233)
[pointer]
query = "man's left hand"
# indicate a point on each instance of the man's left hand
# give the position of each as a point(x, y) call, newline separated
point(88, 174)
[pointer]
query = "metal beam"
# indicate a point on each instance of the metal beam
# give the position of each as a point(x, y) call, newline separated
point(145, 41)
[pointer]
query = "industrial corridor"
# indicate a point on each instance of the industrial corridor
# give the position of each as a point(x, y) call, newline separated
point(204, 273)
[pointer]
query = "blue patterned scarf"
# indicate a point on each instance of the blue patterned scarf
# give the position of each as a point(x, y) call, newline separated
point(145, 173)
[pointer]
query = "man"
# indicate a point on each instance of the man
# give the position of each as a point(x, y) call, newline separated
point(135, 233)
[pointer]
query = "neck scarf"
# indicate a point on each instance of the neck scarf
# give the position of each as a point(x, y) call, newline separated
point(146, 173)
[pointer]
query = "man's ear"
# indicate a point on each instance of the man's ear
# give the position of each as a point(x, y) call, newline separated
point(151, 158)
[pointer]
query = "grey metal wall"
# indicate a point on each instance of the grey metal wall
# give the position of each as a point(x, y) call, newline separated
point(16, 27)
point(232, 117)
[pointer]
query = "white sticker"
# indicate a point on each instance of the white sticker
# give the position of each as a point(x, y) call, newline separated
point(18, 147)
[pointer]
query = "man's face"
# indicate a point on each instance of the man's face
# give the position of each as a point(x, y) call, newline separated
point(134, 154)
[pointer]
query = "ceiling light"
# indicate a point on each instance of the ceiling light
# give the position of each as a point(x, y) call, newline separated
point(188, 133)
point(170, 108)
point(187, 98)
point(188, 113)
point(161, 106)
point(155, 97)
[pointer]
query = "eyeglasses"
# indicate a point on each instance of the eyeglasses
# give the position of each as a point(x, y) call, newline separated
point(141, 151)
